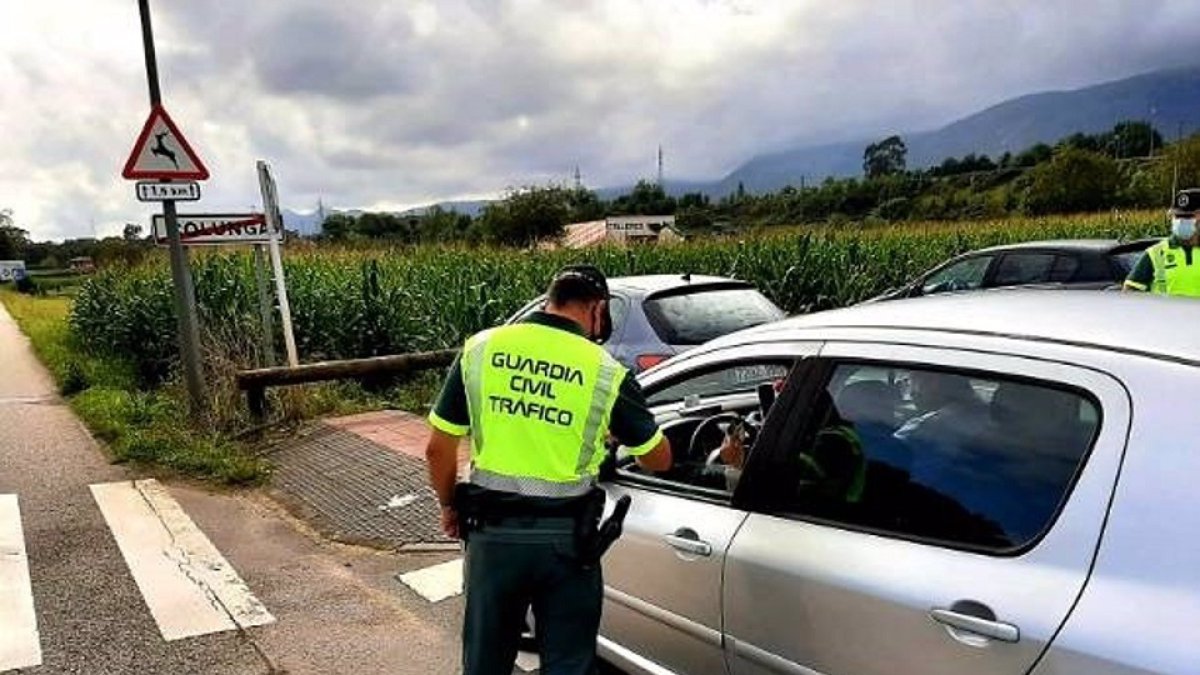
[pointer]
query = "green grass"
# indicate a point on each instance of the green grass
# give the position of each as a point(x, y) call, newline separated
point(138, 426)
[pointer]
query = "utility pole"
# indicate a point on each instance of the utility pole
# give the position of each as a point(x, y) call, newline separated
point(660, 167)
point(185, 295)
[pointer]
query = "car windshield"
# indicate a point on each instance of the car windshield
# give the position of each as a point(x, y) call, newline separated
point(697, 317)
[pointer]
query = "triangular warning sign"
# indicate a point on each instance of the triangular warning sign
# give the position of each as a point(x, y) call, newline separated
point(162, 152)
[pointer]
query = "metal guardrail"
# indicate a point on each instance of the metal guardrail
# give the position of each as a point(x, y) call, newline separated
point(255, 382)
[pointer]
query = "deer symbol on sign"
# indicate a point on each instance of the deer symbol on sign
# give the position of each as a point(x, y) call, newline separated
point(160, 148)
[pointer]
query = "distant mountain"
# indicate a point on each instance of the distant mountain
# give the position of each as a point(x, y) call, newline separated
point(307, 224)
point(1167, 98)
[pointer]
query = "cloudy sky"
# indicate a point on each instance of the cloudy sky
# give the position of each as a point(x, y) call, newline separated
point(389, 104)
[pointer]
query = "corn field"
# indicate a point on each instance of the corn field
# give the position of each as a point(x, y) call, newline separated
point(365, 302)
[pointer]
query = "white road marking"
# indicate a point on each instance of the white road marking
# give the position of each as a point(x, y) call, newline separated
point(20, 646)
point(399, 502)
point(528, 661)
point(188, 586)
point(438, 582)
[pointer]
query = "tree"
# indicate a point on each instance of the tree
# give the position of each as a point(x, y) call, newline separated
point(1073, 180)
point(885, 158)
point(440, 225)
point(13, 239)
point(132, 232)
point(1034, 155)
point(526, 215)
point(585, 205)
point(1133, 139)
point(648, 199)
point(337, 227)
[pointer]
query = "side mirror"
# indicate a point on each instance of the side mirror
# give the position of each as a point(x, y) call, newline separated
point(766, 397)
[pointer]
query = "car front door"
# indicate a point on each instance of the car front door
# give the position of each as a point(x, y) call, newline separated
point(662, 598)
point(969, 540)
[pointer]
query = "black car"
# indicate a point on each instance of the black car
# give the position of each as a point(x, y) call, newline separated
point(1067, 263)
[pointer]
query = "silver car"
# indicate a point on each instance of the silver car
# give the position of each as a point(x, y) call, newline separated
point(656, 316)
point(989, 484)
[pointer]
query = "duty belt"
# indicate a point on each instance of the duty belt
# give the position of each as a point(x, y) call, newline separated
point(478, 508)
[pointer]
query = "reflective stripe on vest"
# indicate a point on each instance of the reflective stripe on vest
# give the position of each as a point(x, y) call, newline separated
point(540, 401)
point(1172, 273)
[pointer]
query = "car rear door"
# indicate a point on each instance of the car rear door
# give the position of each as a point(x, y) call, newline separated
point(662, 596)
point(909, 578)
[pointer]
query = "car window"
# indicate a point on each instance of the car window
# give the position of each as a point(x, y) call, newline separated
point(1024, 268)
point(715, 398)
point(697, 317)
point(957, 458)
point(1066, 269)
point(741, 377)
point(964, 275)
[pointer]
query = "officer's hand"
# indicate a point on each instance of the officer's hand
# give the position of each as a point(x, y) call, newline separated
point(450, 522)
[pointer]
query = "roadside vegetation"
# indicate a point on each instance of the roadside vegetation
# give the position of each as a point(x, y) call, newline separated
point(138, 424)
point(370, 301)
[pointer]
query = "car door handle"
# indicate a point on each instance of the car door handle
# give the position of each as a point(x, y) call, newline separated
point(689, 542)
point(989, 628)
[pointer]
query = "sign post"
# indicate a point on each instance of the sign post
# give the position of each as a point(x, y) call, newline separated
point(264, 306)
point(169, 157)
point(275, 225)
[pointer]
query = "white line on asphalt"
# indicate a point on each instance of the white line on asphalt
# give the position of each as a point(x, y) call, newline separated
point(188, 586)
point(19, 643)
point(438, 582)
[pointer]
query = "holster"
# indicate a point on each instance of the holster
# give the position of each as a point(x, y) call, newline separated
point(595, 537)
point(469, 506)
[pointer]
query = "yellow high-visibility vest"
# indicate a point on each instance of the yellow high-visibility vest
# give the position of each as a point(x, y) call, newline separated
point(540, 400)
point(1172, 273)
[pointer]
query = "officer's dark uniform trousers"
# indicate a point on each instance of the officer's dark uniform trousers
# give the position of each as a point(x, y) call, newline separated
point(518, 562)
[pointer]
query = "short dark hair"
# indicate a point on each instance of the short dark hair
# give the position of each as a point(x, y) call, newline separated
point(577, 283)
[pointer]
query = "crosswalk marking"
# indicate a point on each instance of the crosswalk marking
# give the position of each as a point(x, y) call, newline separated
point(20, 646)
point(188, 586)
point(437, 582)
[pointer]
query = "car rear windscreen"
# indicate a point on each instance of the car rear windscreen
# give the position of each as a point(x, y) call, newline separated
point(702, 315)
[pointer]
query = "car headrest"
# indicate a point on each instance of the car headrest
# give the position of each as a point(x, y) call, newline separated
point(869, 401)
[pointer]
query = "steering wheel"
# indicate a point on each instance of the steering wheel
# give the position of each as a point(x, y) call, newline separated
point(693, 451)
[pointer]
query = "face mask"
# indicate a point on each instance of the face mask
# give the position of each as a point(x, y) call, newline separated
point(1183, 228)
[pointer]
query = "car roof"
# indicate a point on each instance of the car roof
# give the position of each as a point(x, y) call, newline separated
point(1072, 245)
point(657, 283)
point(1136, 323)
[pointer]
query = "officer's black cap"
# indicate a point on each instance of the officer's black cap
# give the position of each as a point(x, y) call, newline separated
point(1187, 202)
point(590, 274)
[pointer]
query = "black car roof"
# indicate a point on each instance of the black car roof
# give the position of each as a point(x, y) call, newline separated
point(1099, 246)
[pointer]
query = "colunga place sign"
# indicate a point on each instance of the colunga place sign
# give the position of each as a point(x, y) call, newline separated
point(216, 228)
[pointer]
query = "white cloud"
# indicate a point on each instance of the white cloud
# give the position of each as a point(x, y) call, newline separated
point(385, 104)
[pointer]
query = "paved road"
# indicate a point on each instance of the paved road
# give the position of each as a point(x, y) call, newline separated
point(101, 572)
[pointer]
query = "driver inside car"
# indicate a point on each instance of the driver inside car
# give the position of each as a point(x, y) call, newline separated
point(728, 459)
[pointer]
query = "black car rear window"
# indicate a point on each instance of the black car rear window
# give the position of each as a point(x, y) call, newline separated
point(1126, 261)
point(695, 317)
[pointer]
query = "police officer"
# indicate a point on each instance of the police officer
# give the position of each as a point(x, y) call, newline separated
point(538, 398)
point(1172, 266)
